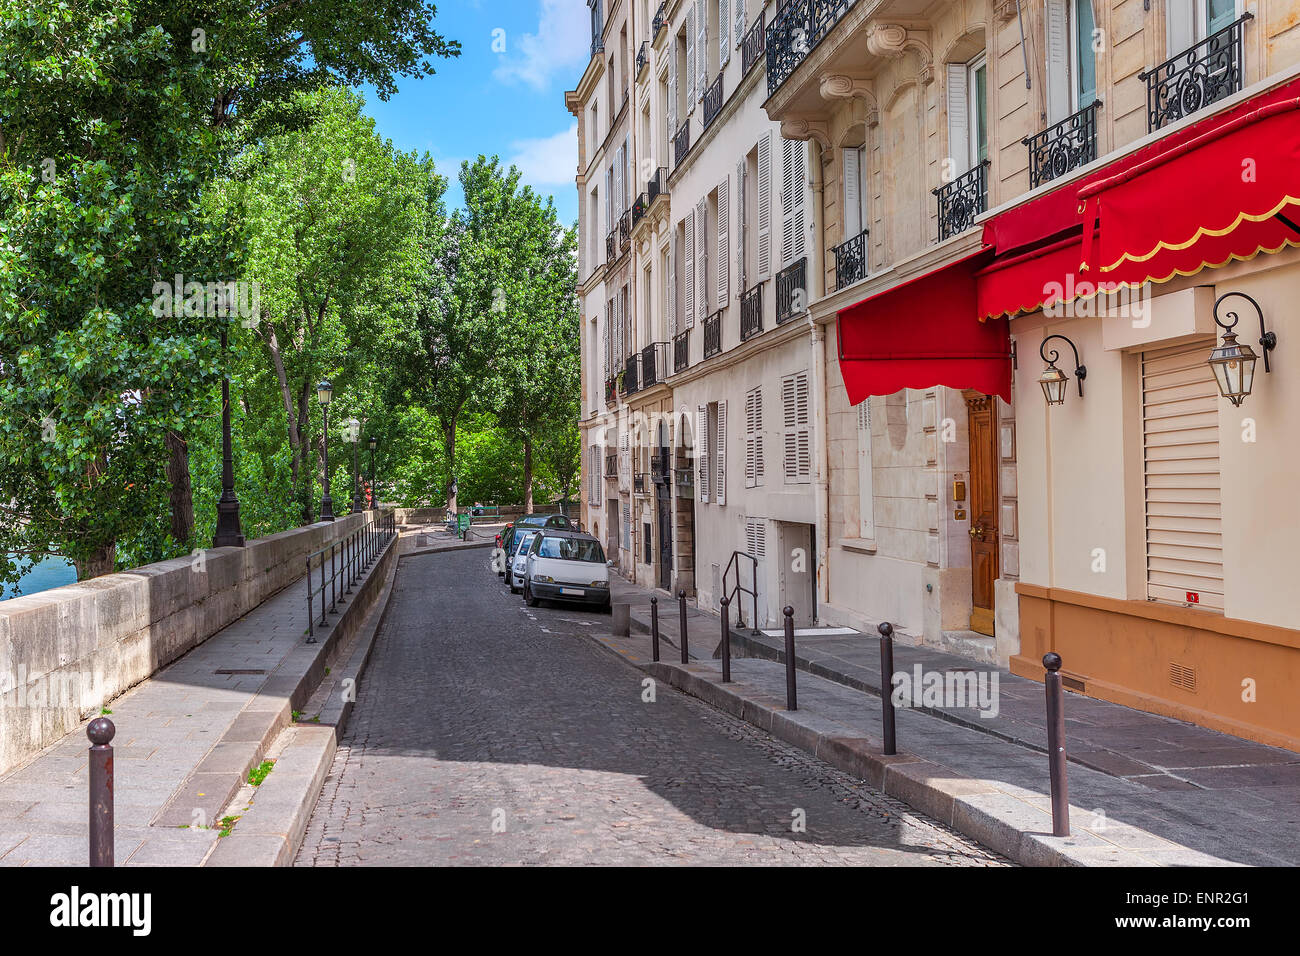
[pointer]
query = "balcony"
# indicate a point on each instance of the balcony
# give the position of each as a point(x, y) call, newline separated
point(611, 465)
point(658, 184)
point(660, 21)
point(754, 47)
point(630, 386)
point(797, 28)
point(851, 261)
point(611, 246)
point(625, 232)
point(681, 351)
point(1200, 75)
point(1069, 144)
point(638, 484)
point(791, 291)
point(682, 142)
point(654, 364)
point(661, 471)
point(685, 480)
point(751, 313)
point(597, 46)
point(611, 391)
point(713, 335)
point(640, 208)
point(961, 200)
point(713, 101)
point(642, 58)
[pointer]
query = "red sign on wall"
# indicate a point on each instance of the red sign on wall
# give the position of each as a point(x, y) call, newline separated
point(1193, 597)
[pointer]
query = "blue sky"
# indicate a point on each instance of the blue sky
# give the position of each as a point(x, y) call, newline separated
point(507, 103)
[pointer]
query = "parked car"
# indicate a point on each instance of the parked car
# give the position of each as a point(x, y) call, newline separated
point(566, 566)
point(517, 563)
point(508, 539)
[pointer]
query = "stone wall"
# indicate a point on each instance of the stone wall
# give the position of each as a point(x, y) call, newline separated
point(65, 652)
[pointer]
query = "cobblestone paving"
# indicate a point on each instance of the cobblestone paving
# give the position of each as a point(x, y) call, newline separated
point(489, 733)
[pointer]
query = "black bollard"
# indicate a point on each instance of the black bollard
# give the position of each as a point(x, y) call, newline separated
point(654, 628)
point(681, 611)
point(101, 731)
point(887, 686)
point(726, 642)
point(791, 698)
point(1056, 745)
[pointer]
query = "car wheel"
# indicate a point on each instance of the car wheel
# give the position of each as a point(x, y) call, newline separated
point(528, 596)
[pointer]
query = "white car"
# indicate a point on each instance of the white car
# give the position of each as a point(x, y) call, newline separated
point(519, 563)
point(566, 566)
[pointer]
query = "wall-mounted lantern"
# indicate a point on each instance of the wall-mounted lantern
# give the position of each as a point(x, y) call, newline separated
point(1233, 364)
point(1053, 380)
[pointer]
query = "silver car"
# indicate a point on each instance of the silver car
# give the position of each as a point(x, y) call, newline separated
point(519, 560)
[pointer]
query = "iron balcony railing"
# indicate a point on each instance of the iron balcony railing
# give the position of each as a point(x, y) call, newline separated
point(654, 364)
point(1200, 75)
point(685, 477)
point(961, 200)
point(640, 207)
point(682, 351)
point(611, 390)
point(754, 46)
point(798, 27)
point(630, 386)
point(638, 484)
point(342, 565)
point(660, 20)
point(661, 471)
point(625, 231)
point(658, 184)
point(682, 142)
point(611, 246)
point(642, 57)
point(1067, 145)
point(751, 312)
point(791, 291)
point(713, 100)
point(611, 465)
point(713, 334)
point(851, 261)
point(597, 46)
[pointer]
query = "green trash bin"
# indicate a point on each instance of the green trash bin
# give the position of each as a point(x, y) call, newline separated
point(462, 524)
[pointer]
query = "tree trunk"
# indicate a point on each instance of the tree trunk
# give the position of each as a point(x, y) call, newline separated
point(528, 474)
point(100, 562)
point(295, 436)
point(182, 498)
point(449, 449)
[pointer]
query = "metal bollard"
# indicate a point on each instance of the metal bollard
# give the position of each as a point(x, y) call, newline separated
point(101, 731)
point(791, 698)
point(887, 686)
point(726, 641)
point(654, 628)
point(681, 611)
point(1056, 745)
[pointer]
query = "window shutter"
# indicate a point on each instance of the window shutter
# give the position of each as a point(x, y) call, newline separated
point(741, 288)
point(866, 493)
point(742, 26)
point(619, 191)
point(724, 33)
point(765, 206)
point(702, 449)
point(688, 280)
point(690, 61)
point(672, 92)
point(629, 174)
point(1180, 27)
point(605, 328)
point(724, 242)
point(852, 193)
point(671, 305)
point(702, 47)
point(1057, 30)
point(720, 452)
point(702, 258)
point(958, 124)
point(1180, 436)
point(793, 176)
point(753, 437)
point(798, 441)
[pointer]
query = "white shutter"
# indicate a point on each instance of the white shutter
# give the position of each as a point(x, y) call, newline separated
point(1180, 26)
point(852, 193)
point(605, 328)
point(754, 437)
point(688, 263)
point(741, 239)
point(629, 173)
point(1180, 433)
point(724, 33)
point(1057, 30)
point(702, 258)
point(690, 61)
point(793, 184)
point(742, 25)
point(672, 92)
point(866, 491)
point(765, 206)
point(724, 242)
point(702, 47)
point(720, 493)
point(702, 449)
point(599, 471)
point(619, 166)
point(798, 440)
point(671, 305)
point(609, 202)
point(958, 124)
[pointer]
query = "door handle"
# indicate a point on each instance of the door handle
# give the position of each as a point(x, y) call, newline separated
point(976, 531)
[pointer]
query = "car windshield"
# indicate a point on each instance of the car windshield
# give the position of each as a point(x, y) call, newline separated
point(560, 522)
point(524, 540)
point(572, 549)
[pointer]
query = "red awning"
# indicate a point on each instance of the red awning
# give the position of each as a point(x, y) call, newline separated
point(921, 334)
point(1222, 189)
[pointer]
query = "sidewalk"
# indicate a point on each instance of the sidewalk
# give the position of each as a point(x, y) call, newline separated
point(1163, 791)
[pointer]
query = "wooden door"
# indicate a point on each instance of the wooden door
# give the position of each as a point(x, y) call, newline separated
point(982, 422)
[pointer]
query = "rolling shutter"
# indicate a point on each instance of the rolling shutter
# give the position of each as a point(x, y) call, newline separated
point(1180, 435)
point(702, 449)
point(765, 206)
point(724, 242)
point(720, 493)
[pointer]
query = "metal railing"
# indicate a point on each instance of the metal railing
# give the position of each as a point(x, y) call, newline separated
point(660, 21)
point(713, 334)
point(342, 563)
point(738, 588)
point(611, 465)
point(1202, 74)
point(629, 376)
point(638, 484)
point(597, 46)
point(682, 142)
point(661, 471)
point(625, 231)
point(851, 261)
point(791, 291)
point(754, 47)
point(654, 364)
point(658, 184)
point(961, 200)
point(751, 312)
point(611, 391)
point(713, 100)
point(642, 57)
point(682, 351)
point(611, 246)
point(1064, 146)
point(798, 27)
point(639, 208)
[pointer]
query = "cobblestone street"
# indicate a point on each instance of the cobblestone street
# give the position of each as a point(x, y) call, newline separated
point(489, 733)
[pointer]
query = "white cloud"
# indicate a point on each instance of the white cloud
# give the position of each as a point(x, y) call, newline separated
point(549, 160)
point(562, 42)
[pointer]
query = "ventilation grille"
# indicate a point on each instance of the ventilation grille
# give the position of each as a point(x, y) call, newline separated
point(1182, 676)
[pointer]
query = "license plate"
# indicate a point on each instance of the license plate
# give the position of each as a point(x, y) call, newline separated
point(579, 592)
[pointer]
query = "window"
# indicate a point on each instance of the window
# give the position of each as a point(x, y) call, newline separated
point(1071, 62)
point(754, 437)
point(1187, 22)
point(571, 549)
point(855, 191)
point(798, 438)
point(977, 84)
point(711, 433)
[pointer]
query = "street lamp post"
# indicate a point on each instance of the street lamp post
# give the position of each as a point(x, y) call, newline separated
point(354, 432)
point(324, 392)
point(229, 533)
point(374, 493)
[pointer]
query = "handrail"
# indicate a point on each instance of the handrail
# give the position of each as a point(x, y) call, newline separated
point(741, 588)
point(349, 558)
